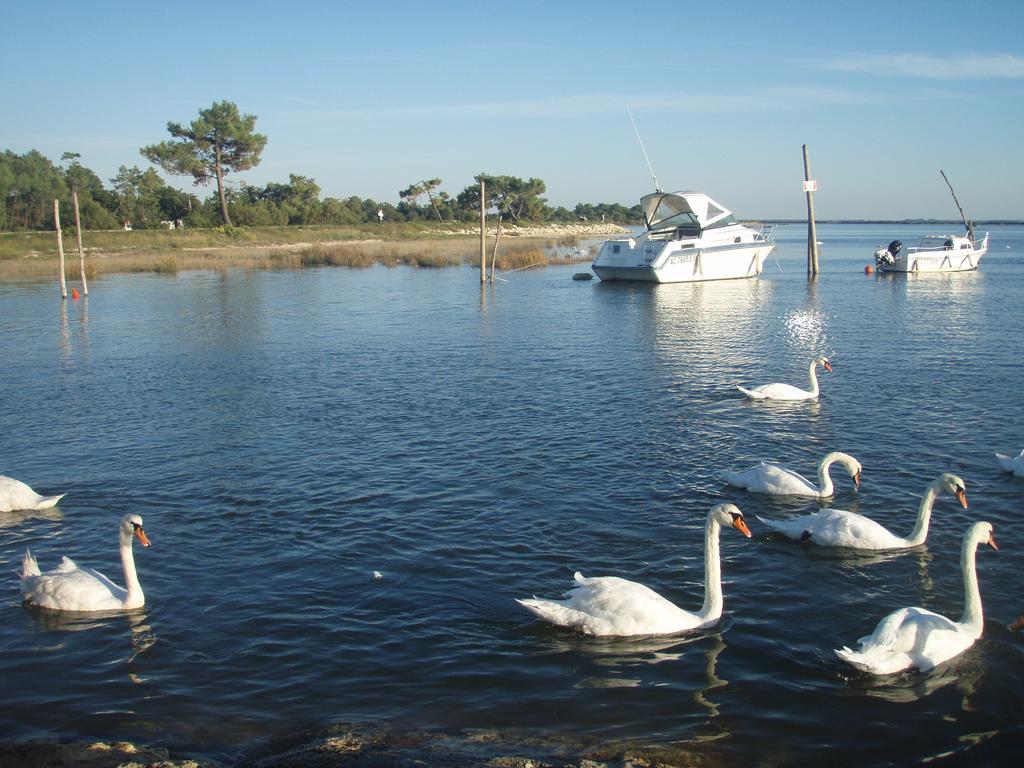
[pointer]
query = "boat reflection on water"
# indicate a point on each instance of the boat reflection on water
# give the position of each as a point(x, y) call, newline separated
point(724, 312)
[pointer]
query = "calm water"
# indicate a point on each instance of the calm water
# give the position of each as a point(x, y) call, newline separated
point(286, 434)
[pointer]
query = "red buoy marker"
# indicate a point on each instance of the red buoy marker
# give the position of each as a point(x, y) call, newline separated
point(868, 269)
point(74, 293)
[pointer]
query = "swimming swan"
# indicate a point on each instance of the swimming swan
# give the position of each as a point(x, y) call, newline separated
point(916, 637)
point(788, 391)
point(778, 481)
point(838, 528)
point(70, 588)
point(15, 495)
point(1013, 464)
point(610, 606)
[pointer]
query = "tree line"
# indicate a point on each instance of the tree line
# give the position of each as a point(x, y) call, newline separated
point(222, 142)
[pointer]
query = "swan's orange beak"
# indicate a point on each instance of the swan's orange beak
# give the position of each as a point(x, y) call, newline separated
point(856, 480)
point(992, 542)
point(741, 526)
point(141, 536)
point(961, 496)
point(827, 366)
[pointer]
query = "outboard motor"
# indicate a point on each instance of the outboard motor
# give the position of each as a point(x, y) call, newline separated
point(887, 256)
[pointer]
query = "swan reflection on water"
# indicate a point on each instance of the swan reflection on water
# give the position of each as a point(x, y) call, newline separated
point(964, 673)
point(142, 635)
point(17, 517)
point(633, 654)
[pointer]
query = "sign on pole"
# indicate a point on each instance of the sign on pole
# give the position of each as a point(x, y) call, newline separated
point(811, 185)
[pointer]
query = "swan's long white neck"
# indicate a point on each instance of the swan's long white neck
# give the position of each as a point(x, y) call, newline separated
point(135, 598)
point(924, 515)
point(825, 486)
point(712, 607)
point(813, 376)
point(972, 620)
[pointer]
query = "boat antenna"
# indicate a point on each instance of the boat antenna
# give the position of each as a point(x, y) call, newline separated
point(968, 224)
point(642, 149)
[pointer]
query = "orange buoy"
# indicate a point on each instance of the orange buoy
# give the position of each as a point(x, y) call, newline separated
point(868, 269)
point(74, 293)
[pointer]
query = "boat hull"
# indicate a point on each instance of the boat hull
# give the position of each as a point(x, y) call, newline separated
point(689, 266)
point(952, 262)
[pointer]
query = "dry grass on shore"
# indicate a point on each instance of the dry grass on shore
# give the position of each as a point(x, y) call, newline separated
point(518, 253)
point(31, 255)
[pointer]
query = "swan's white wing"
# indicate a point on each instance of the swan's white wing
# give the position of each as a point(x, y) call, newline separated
point(793, 528)
point(908, 637)
point(773, 480)
point(15, 495)
point(778, 392)
point(1014, 464)
point(839, 528)
point(608, 605)
point(70, 588)
point(753, 394)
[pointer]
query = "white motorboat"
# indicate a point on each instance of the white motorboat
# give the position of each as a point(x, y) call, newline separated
point(689, 238)
point(935, 253)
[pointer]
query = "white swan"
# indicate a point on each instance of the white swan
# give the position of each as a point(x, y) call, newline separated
point(778, 481)
point(839, 528)
point(788, 391)
point(610, 606)
point(15, 495)
point(1013, 464)
point(70, 588)
point(916, 637)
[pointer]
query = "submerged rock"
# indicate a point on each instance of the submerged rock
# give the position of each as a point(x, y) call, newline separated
point(342, 745)
point(99, 754)
point(358, 746)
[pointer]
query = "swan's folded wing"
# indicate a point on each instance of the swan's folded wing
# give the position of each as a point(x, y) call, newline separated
point(752, 393)
point(793, 528)
point(786, 482)
point(906, 631)
point(100, 578)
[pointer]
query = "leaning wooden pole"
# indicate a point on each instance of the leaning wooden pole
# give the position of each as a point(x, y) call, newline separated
point(812, 232)
point(78, 236)
point(60, 248)
point(483, 234)
point(494, 250)
point(968, 225)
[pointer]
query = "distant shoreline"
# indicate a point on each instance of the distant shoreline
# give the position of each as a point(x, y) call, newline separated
point(32, 255)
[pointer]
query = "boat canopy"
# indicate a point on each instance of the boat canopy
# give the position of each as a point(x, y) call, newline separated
point(673, 209)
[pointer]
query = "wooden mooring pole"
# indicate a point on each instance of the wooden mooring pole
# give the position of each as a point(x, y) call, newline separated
point(78, 236)
point(483, 234)
point(810, 186)
point(60, 248)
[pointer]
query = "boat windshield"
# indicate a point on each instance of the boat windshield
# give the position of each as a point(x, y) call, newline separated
point(689, 212)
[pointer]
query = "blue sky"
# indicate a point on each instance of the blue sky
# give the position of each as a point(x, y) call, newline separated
point(367, 98)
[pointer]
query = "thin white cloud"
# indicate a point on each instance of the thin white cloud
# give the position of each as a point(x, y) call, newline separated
point(926, 65)
point(777, 98)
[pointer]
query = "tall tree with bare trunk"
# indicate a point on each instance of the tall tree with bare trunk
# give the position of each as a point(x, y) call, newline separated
point(219, 142)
